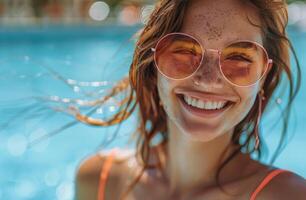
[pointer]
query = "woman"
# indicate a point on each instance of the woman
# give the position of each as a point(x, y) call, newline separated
point(202, 74)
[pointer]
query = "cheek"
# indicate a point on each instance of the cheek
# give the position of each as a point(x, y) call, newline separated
point(165, 88)
point(162, 88)
point(247, 99)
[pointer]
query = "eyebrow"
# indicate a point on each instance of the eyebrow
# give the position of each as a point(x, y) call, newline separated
point(188, 40)
point(246, 45)
point(194, 45)
point(236, 42)
point(232, 41)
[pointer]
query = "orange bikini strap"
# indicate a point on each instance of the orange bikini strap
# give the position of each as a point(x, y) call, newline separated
point(104, 174)
point(266, 180)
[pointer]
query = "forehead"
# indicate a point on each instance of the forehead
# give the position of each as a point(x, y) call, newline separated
point(219, 22)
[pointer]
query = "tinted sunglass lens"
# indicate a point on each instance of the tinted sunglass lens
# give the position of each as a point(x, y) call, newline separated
point(243, 63)
point(178, 56)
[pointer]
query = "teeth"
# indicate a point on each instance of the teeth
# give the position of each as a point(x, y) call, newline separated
point(208, 105)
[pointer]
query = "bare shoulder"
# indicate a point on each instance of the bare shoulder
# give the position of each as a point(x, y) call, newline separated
point(285, 186)
point(88, 174)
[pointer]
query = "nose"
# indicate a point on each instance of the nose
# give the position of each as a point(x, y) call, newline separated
point(209, 73)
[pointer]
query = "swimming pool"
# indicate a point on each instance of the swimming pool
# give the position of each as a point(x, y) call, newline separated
point(91, 59)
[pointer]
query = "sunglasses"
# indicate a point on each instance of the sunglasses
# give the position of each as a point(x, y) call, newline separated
point(242, 63)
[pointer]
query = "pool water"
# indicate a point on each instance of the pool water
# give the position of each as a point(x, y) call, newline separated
point(82, 63)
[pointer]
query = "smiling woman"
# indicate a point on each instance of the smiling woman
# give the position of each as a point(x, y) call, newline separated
point(202, 75)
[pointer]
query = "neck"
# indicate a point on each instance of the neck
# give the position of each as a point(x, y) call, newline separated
point(194, 164)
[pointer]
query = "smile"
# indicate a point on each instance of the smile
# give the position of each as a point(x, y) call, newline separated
point(207, 105)
point(204, 108)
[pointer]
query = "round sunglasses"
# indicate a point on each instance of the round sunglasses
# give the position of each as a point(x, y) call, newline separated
point(242, 63)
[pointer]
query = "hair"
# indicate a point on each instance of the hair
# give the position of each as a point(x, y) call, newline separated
point(167, 17)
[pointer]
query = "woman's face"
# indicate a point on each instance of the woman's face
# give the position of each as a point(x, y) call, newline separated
point(214, 24)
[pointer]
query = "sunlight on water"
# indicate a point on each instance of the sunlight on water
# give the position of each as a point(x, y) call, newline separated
point(52, 177)
point(25, 189)
point(65, 191)
point(16, 145)
point(42, 146)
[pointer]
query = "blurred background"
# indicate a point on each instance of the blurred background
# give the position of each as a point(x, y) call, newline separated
point(56, 55)
point(29, 12)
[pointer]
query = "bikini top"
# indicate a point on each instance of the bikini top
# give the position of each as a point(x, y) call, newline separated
point(108, 163)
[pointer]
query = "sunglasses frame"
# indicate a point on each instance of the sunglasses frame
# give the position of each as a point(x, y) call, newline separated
point(269, 61)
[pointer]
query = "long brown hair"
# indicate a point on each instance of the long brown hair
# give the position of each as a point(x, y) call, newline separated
point(167, 17)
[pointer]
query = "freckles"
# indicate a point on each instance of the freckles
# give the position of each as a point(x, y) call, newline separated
point(212, 31)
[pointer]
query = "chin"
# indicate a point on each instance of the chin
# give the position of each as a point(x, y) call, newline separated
point(201, 133)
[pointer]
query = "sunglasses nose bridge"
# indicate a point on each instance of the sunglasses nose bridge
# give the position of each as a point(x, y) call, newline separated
point(214, 51)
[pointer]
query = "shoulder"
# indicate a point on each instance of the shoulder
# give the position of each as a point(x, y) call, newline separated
point(88, 173)
point(287, 185)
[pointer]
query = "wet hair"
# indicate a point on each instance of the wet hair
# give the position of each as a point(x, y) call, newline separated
point(167, 17)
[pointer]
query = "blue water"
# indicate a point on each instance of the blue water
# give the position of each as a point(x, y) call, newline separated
point(30, 59)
